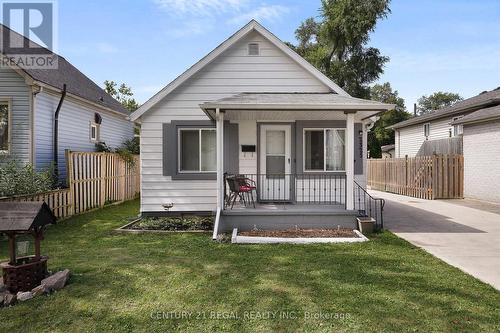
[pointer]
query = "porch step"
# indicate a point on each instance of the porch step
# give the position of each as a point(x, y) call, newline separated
point(248, 219)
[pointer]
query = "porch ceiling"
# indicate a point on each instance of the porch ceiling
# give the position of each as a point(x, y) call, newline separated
point(293, 106)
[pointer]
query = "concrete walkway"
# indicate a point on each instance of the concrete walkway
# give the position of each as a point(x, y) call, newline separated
point(463, 233)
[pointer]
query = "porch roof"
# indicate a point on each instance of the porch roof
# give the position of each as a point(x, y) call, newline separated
point(295, 102)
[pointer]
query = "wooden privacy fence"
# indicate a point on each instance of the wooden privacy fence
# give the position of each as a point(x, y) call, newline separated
point(94, 180)
point(426, 177)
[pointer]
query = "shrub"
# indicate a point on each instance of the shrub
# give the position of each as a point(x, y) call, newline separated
point(19, 179)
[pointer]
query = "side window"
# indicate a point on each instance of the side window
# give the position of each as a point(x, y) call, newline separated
point(427, 130)
point(4, 127)
point(94, 132)
point(458, 129)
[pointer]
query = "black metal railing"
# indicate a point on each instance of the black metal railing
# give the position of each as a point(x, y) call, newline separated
point(318, 189)
point(368, 206)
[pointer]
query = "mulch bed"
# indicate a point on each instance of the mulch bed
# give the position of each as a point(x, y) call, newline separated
point(303, 233)
point(174, 223)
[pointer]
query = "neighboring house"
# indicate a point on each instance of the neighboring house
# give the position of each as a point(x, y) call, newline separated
point(276, 119)
point(29, 99)
point(481, 136)
point(388, 151)
point(434, 132)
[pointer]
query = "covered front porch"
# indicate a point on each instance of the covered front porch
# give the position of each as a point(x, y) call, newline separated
point(299, 155)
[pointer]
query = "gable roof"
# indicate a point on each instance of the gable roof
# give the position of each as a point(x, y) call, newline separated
point(486, 98)
point(479, 116)
point(244, 31)
point(77, 83)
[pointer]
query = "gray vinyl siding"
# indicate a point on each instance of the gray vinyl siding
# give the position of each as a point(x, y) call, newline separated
point(74, 129)
point(14, 88)
point(231, 73)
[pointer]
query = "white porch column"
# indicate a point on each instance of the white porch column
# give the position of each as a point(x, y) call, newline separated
point(349, 163)
point(219, 116)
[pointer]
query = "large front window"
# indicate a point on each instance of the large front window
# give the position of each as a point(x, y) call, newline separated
point(324, 149)
point(4, 127)
point(197, 150)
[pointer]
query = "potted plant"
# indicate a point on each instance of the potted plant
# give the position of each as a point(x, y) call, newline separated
point(365, 224)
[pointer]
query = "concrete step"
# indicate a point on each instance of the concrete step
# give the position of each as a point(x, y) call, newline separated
point(286, 219)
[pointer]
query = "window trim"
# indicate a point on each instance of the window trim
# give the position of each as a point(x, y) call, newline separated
point(8, 102)
point(179, 150)
point(320, 129)
point(97, 132)
point(428, 132)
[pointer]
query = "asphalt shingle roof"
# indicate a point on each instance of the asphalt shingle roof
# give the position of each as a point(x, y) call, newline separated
point(484, 99)
point(480, 115)
point(293, 98)
point(76, 82)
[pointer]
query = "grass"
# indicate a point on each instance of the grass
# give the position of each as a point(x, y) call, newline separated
point(121, 281)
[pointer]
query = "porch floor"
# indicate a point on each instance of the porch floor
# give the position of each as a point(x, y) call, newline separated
point(287, 209)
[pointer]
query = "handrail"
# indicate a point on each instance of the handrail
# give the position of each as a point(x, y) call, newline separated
point(369, 206)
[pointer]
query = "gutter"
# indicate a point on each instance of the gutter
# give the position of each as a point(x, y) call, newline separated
point(56, 132)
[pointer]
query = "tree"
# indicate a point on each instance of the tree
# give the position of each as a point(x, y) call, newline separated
point(122, 94)
point(336, 45)
point(380, 135)
point(436, 101)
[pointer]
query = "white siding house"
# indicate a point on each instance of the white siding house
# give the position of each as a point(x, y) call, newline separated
point(253, 100)
point(411, 134)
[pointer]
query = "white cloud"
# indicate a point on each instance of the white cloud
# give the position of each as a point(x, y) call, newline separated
point(107, 48)
point(270, 13)
point(200, 7)
point(197, 17)
point(192, 27)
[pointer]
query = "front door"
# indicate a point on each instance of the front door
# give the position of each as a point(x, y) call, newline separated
point(275, 180)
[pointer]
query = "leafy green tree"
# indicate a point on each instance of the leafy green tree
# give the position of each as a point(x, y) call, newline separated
point(336, 44)
point(380, 135)
point(122, 94)
point(436, 101)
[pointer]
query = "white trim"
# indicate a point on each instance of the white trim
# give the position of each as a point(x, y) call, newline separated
point(349, 161)
point(220, 159)
point(179, 141)
point(321, 129)
point(295, 106)
point(235, 239)
point(8, 102)
point(97, 132)
point(427, 133)
point(249, 27)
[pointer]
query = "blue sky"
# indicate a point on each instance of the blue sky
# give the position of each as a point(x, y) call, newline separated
point(451, 45)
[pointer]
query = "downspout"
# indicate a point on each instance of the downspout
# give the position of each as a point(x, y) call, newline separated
point(56, 131)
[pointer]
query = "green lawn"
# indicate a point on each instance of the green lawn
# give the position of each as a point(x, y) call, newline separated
point(121, 281)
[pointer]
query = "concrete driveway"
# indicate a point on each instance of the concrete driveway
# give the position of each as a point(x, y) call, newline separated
point(463, 233)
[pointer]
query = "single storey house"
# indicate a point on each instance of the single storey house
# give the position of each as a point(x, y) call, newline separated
point(436, 132)
point(43, 112)
point(253, 110)
point(481, 140)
